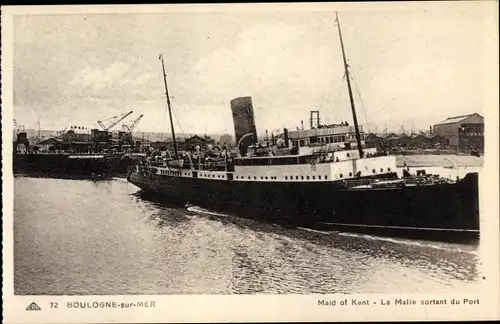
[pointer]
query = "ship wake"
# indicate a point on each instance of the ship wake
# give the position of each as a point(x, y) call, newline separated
point(201, 210)
point(450, 247)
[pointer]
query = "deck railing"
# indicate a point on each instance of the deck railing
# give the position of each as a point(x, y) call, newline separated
point(400, 182)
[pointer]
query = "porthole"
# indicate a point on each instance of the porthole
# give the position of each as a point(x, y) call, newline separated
point(301, 177)
point(381, 170)
point(350, 174)
point(319, 177)
point(296, 177)
point(249, 177)
point(314, 177)
point(340, 175)
point(374, 171)
point(286, 177)
point(266, 178)
point(326, 177)
point(261, 178)
point(307, 177)
point(255, 178)
point(389, 169)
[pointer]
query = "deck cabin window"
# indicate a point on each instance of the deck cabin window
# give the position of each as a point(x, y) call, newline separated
point(381, 170)
point(296, 177)
point(286, 177)
point(301, 177)
point(314, 177)
point(302, 142)
point(272, 161)
point(389, 169)
point(350, 174)
point(319, 177)
point(326, 177)
point(374, 171)
point(340, 175)
point(307, 177)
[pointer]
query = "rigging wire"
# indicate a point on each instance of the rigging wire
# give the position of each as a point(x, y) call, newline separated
point(325, 98)
point(179, 124)
point(176, 120)
point(368, 119)
point(337, 102)
point(337, 98)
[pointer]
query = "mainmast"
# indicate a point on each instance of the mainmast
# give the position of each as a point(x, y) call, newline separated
point(346, 67)
point(168, 104)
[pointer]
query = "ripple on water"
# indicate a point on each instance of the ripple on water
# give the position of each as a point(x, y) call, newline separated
point(84, 237)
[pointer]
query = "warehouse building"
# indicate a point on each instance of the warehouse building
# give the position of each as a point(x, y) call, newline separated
point(462, 132)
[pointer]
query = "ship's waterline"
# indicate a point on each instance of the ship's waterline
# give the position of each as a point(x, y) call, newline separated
point(102, 237)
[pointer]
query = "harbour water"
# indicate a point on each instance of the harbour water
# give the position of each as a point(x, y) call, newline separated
point(79, 237)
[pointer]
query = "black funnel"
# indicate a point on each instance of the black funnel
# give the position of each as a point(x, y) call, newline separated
point(243, 118)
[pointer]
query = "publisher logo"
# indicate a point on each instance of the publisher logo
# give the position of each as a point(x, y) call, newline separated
point(33, 307)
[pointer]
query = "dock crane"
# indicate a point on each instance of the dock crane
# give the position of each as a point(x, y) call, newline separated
point(113, 121)
point(130, 128)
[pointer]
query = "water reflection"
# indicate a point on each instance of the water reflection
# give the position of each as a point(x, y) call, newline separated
point(105, 238)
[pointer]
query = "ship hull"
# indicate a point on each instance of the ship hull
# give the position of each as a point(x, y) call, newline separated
point(435, 210)
point(62, 166)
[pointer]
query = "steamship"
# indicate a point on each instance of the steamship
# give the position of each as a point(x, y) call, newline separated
point(307, 183)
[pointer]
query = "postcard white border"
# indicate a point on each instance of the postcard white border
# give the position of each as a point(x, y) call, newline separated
point(217, 308)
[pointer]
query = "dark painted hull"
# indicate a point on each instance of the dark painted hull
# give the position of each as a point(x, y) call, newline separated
point(442, 208)
point(61, 166)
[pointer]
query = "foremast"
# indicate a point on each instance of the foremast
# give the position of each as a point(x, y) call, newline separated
point(347, 76)
point(168, 105)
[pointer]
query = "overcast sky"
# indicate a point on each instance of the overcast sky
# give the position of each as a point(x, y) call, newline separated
point(413, 67)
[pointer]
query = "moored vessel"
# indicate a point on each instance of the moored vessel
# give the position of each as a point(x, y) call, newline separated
point(77, 154)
